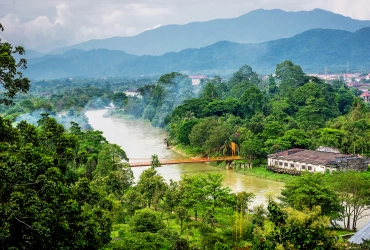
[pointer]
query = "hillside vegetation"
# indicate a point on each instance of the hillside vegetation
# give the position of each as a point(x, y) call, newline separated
point(313, 50)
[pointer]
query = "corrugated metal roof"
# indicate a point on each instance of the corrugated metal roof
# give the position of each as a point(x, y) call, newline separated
point(363, 233)
point(307, 156)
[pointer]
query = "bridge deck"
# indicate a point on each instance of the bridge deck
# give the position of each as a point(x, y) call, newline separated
point(146, 162)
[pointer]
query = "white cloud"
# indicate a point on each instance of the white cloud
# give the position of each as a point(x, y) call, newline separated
point(40, 31)
point(357, 9)
point(64, 15)
point(154, 27)
point(102, 22)
point(39, 23)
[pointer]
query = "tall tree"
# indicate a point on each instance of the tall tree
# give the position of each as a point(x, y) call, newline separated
point(291, 76)
point(110, 158)
point(209, 92)
point(42, 204)
point(10, 75)
point(353, 189)
point(287, 228)
point(191, 188)
point(119, 99)
point(310, 190)
point(245, 73)
point(252, 102)
point(272, 87)
point(151, 184)
point(172, 196)
point(217, 195)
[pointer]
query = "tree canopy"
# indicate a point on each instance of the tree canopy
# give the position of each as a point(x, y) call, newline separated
point(11, 76)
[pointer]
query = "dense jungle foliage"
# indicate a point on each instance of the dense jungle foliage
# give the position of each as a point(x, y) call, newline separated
point(288, 110)
point(69, 188)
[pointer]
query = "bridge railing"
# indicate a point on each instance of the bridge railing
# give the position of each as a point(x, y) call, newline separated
point(147, 161)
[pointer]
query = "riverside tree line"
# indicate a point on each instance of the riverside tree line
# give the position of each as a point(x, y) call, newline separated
point(68, 189)
point(71, 189)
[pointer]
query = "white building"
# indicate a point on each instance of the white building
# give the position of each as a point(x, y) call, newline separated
point(316, 161)
point(195, 79)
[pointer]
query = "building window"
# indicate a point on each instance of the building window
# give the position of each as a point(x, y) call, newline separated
point(285, 164)
point(292, 165)
point(309, 168)
point(303, 167)
point(280, 163)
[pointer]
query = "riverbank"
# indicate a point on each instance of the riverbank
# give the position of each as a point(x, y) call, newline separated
point(180, 152)
point(259, 172)
point(263, 173)
point(188, 152)
point(116, 113)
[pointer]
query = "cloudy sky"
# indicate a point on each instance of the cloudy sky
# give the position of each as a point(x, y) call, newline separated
point(45, 24)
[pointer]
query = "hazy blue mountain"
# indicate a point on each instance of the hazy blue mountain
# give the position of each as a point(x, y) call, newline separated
point(313, 50)
point(32, 54)
point(68, 54)
point(254, 27)
point(101, 62)
point(29, 54)
point(55, 44)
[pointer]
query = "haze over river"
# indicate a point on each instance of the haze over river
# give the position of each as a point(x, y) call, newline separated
point(140, 140)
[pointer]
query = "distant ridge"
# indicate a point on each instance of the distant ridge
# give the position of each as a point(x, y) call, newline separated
point(254, 27)
point(313, 49)
point(92, 63)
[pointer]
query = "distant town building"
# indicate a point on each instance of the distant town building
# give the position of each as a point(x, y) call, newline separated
point(324, 158)
point(363, 89)
point(366, 96)
point(195, 79)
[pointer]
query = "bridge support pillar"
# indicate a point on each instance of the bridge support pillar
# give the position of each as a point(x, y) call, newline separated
point(229, 165)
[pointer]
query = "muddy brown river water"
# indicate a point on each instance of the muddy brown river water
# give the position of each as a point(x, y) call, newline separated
point(140, 140)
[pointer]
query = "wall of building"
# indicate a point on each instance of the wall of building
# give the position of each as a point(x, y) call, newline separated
point(299, 166)
point(358, 164)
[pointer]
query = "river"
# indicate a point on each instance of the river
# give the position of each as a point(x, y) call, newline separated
point(140, 140)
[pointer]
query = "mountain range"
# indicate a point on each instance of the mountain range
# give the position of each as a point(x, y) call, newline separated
point(313, 50)
point(254, 27)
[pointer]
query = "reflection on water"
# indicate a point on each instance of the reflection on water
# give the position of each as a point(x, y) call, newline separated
point(140, 140)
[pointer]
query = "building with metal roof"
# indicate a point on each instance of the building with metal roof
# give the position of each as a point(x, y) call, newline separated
point(366, 96)
point(320, 160)
point(362, 234)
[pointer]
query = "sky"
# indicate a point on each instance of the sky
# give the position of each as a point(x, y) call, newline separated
point(46, 24)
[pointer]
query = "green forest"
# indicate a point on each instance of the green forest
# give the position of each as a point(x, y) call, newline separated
point(288, 110)
point(67, 187)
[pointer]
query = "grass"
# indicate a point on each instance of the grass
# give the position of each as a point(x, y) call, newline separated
point(259, 172)
point(191, 234)
point(263, 173)
point(186, 150)
point(340, 232)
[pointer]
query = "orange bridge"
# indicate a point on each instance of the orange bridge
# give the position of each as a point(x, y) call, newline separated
point(137, 162)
